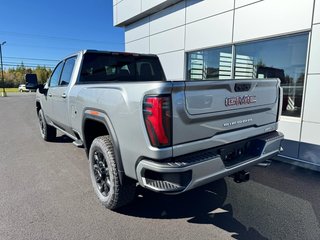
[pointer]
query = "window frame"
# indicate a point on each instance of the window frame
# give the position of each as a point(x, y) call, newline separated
point(233, 65)
point(64, 64)
point(204, 49)
point(303, 92)
point(53, 72)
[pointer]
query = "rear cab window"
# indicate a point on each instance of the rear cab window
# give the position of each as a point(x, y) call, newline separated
point(113, 67)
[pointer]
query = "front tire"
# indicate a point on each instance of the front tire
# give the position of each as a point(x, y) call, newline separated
point(48, 133)
point(105, 175)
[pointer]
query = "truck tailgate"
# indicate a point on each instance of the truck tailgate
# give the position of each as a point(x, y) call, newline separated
point(217, 108)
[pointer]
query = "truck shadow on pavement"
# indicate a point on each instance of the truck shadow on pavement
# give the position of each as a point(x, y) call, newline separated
point(62, 139)
point(205, 205)
point(280, 202)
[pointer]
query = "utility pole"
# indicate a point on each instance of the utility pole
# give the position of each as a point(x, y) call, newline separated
point(3, 94)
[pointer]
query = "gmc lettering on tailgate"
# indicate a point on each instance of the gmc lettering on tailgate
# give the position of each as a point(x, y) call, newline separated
point(236, 101)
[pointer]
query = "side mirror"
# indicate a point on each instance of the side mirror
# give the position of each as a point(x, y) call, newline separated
point(31, 81)
point(43, 89)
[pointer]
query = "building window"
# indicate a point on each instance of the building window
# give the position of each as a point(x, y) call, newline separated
point(283, 58)
point(210, 64)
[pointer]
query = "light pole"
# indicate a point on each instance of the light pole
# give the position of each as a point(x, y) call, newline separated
point(3, 94)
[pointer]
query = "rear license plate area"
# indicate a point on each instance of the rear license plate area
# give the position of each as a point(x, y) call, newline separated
point(239, 152)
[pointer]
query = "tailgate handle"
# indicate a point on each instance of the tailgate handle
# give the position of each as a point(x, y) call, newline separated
point(242, 87)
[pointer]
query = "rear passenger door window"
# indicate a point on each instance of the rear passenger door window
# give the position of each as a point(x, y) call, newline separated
point(67, 71)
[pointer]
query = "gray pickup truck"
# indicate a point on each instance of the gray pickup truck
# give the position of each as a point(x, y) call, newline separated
point(169, 136)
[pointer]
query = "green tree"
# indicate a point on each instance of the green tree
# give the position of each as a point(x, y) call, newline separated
point(15, 76)
point(43, 73)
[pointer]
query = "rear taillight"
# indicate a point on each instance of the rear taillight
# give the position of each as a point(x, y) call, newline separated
point(157, 118)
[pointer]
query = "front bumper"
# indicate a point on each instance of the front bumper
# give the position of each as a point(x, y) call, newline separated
point(189, 171)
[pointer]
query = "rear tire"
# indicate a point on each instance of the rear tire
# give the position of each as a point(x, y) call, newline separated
point(105, 178)
point(48, 133)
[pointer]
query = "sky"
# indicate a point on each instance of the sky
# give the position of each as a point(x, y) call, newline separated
point(42, 32)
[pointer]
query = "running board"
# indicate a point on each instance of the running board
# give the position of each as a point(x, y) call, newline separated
point(78, 143)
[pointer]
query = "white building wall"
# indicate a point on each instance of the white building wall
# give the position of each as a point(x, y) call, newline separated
point(316, 17)
point(128, 11)
point(167, 41)
point(241, 3)
point(137, 30)
point(140, 45)
point(169, 18)
point(198, 10)
point(197, 24)
point(211, 31)
point(173, 63)
point(310, 132)
point(137, 36)
point(272, 17)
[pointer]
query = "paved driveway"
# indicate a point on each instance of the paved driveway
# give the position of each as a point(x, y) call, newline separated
point(46, 194)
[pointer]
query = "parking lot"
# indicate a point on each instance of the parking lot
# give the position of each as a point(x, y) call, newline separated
point(46, 193)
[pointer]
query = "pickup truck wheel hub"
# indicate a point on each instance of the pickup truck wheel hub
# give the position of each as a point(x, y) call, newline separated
point(101, 173)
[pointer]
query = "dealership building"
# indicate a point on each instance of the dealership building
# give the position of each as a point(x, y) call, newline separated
point(240, 39)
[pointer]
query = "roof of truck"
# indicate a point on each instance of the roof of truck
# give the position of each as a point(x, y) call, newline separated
point(117, 53)
point(108, 52)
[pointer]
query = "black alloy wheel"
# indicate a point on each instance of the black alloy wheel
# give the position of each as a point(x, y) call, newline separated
point(48, 133)
point(105, 175)
point(101, 173)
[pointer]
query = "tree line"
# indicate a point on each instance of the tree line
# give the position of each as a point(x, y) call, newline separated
point(15, 76)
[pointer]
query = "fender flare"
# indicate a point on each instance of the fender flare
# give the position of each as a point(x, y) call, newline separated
point(102, 117)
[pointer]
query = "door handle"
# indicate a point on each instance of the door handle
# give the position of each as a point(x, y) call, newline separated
point(64, 95)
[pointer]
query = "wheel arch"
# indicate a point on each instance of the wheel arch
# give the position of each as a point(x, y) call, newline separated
point(101, 125)
point(38, 106)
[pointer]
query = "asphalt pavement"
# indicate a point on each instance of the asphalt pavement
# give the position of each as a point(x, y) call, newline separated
point(46, 193)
